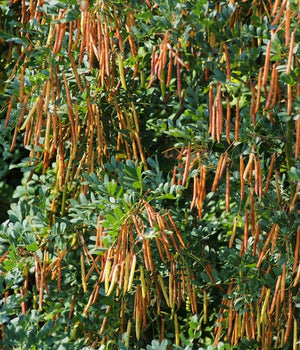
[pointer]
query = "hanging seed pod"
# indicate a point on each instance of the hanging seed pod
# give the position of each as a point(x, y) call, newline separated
point(282, 286)
point(275, 7)
point(256, 239)
point(228, 117)
point(90, 301)
point(219, 113)
point(176, 230)
point(276, 19)
point(176, 329)
point(164, 290)
point(218, 173)
point(290, 318)
point(273, 303)
point(274, 238)
point(265, 305)
point(187, 165)
point(297, 147)
point(242, 180)
point(276, 89)
point(291, 52)
point(297, 248)
point(227, 191)
point(289, 99)
point(211, 107)
point(195, 192)
point(132, 271)
point(104, 320)
point(273, 84)
point(237, 121)
point(259, 85)
point(267, 64)
point(115, 274)
point(271, 167)
point(249, 165)
point(107, 269)
point(170, 69)
point(160, 249)
point(138, 312)
point(126, 274)
point(219, 330)
point(202, 190)
point(296, 281)
point(262, 254)
point(252, 214)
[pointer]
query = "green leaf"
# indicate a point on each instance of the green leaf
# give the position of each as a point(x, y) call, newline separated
point(294, 174)
point(219, 76)
point(32, 247)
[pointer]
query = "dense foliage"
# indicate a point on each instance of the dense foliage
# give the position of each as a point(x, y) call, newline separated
point(159, 147)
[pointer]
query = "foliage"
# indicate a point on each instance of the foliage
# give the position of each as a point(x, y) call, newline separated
point(159, 206)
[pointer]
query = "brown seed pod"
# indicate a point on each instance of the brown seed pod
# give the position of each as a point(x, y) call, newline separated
point(291, 53)
point(237, 121)
point(290, 318)
point(283, 5)
point(211, 107)
point(187, 165)
point(219, 113)
point(217, 173)
point(267, 64)
point(227, 192)
point(297, 147)
point(297, 247)
point(228, 116)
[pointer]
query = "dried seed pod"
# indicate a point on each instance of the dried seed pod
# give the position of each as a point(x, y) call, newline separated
point(113, 281)
point(164, 290)
point(249, 165)
point(276, 19)
point(233, 232)
point(262, 254)
point(265, 305)
point(290, 318)
point(104, 320)
point(291, 53)
point(297, 247)
point(170, 69)
point(228, 117)
point(187, 165)
point(237, 121)
point(227, 192)
point(296, 281)
point(219, 113)
point(218, 172)
point(282, 286)
point(297, 147)
point(132, 271)
point(273, 303)
point(267, 64)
